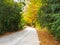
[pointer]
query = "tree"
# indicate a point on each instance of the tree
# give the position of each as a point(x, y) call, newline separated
point(30, 13)
point(49, 16)
point(10, 16)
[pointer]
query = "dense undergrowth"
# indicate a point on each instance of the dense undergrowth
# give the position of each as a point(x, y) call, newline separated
point(10, 16)
point(49, 16)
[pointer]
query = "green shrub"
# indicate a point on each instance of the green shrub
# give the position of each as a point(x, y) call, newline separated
point(49, 16)
point(10, 16)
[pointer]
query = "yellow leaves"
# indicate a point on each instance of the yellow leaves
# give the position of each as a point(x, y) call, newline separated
point(27, 18)
point(30, 15)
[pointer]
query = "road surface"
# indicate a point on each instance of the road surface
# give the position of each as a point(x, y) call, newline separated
point(28, 36)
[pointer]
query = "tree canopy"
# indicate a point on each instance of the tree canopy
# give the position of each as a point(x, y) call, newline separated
point(10, 16)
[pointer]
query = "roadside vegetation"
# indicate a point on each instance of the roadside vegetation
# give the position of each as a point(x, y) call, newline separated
point(10, 16)
point(37, 13)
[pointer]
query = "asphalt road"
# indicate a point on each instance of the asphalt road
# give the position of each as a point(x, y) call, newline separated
point(28, 36)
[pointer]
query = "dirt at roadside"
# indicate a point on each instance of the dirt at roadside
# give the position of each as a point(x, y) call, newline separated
point(46, 38)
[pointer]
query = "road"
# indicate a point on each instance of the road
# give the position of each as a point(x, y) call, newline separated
point(28, 36)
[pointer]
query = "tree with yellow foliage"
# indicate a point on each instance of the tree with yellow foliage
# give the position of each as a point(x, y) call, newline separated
point(31, 9)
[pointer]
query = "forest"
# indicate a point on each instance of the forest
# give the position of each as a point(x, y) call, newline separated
point(36, 13)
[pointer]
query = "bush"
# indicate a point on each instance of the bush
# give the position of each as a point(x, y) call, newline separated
point(10, 16)
point(49, 16)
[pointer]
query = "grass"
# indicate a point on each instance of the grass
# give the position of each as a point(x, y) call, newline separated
point(46, 38)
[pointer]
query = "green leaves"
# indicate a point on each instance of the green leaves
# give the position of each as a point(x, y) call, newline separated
point(10, 16)
point(49, 16)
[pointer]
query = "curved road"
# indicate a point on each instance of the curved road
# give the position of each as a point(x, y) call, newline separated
point(28, 36)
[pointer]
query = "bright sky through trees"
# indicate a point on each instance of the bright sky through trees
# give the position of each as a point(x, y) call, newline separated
point(18, 0)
